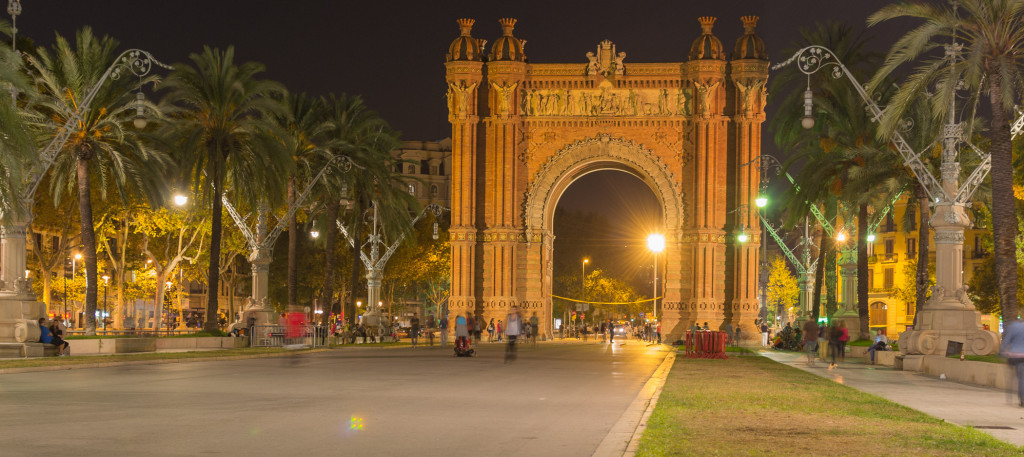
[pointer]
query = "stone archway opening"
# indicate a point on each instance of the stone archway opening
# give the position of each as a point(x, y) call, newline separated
point(600, 221)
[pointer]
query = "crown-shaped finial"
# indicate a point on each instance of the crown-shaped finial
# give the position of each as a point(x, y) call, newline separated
point(465, 25)
point(706, 22)
point(507, 24)
point(749, 22)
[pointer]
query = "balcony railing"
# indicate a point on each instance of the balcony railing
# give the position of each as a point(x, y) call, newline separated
point(890, 257)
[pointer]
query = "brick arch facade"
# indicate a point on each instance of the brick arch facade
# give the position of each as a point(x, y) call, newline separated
point(523, 131)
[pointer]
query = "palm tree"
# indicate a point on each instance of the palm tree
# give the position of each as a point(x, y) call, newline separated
point(220, 115)
point(307, 126)
point(367, 141)
point(102, 144)
point(16, 143)
point(992, 33)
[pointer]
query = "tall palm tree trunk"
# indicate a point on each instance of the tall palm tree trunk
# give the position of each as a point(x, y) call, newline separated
point(862, 271)
point(293, 252)
point(1004, 216)
point(329, 246)
point(921, 279)
point(819, 280)
point(88, 245)
point(213, 274)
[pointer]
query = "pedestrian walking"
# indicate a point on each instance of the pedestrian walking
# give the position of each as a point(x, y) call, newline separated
point(414, 329)
point(844, 337)
point(513, 328)
point(535, 327)
point(1013, 350)
point(810, 340)
point(443, 327)
point(498, 329)
point(833, 344)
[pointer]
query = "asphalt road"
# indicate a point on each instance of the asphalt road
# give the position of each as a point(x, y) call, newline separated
point(554, 400)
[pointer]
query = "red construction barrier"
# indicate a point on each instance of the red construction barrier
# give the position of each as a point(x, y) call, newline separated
point(704, 344)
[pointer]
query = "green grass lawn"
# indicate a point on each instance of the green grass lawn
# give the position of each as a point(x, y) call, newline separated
point(755, 406)
point(94, 359)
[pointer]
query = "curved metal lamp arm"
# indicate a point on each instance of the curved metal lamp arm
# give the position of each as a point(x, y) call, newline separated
point(133, 61)
point(814, 58)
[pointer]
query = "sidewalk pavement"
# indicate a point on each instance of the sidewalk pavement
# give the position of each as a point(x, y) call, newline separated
point(991, 410)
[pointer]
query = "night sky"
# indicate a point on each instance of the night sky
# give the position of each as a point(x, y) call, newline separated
point(392, 53)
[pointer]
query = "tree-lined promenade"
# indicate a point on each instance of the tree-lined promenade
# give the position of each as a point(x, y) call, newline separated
point(132, 198)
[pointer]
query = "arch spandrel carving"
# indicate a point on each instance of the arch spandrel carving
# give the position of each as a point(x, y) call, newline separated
point(604, 151)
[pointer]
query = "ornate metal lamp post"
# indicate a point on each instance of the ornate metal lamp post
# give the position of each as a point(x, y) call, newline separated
point(949, 315)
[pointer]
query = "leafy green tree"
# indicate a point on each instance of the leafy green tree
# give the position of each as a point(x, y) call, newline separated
point(783, 291)
point(102, 143)
point(906, 293)
point(221, 131)
point(992, 33)
point(169, 237)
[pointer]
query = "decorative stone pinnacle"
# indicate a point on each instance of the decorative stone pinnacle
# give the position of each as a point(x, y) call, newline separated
point(507, 24)
point(749, 23)
point(465, 25)
point(706, 23)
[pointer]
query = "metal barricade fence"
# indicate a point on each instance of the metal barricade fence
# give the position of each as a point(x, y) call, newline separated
point(279, 336)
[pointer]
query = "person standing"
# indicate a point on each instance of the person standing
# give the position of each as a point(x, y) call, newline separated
point(490, 331)
point(764, 333)
point(443, 327)
point(513, 327)
point(1012, 349)
point(810, 340)
point(611, 332)
point(499, 329)
point(414, 329)
point(844, 337)
point(535, 326)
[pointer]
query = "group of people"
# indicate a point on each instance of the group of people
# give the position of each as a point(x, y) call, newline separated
point(826, 341)
point(54, 334)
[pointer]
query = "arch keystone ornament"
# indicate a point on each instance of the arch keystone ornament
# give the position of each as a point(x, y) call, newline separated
point(522, 132)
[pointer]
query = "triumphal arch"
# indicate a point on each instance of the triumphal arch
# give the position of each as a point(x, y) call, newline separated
point(522, 132)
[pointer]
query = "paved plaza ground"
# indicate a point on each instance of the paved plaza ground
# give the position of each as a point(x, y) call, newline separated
point(555, 400)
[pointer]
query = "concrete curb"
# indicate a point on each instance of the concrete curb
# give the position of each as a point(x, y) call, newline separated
point(624, 437)
point(4, 371)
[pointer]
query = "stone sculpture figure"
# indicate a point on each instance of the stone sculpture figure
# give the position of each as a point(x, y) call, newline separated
point(460, 102)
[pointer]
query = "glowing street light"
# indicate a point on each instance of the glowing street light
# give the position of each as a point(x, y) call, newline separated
point(742, 237)
point(871, 238)
point(180, 199)
point(761, 201)
point(656, 243)
point(840, 237)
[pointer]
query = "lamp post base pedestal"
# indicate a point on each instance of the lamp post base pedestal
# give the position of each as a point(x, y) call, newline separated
point(936, 328)
point(19, 327)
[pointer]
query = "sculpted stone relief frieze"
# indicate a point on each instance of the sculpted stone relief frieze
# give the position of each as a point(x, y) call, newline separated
point(606, 102)
point(459, 95)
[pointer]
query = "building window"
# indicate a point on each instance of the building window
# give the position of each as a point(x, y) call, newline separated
point(424, 167)
point(398, 168)
point(410, 170)
point(440, 169)
point(890, 224)
point(433, 169)
point(912, 220)
point(871, 279)
point(412, 189)
point(877, 314)
point(911, 248)
point(55, 243)
point(890, 278)
point(889, 248)
point(433, 191)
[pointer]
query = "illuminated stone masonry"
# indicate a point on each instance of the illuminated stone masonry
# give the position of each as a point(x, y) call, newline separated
point(523, 132)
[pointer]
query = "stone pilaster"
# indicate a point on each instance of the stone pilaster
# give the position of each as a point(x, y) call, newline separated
point(501, 203)
point(748, 79)
point(464, 79)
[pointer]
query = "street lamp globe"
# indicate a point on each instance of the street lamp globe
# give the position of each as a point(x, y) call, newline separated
point(656, 242)
point(180, 199)
point(871, 238)
point(761, 201)
point(742, 237)
point(841, 237)
point(78, 256)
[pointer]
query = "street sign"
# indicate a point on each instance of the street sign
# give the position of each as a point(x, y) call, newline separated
point(583, 307)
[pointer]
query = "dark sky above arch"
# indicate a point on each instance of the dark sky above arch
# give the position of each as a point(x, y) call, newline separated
point(392, 52)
